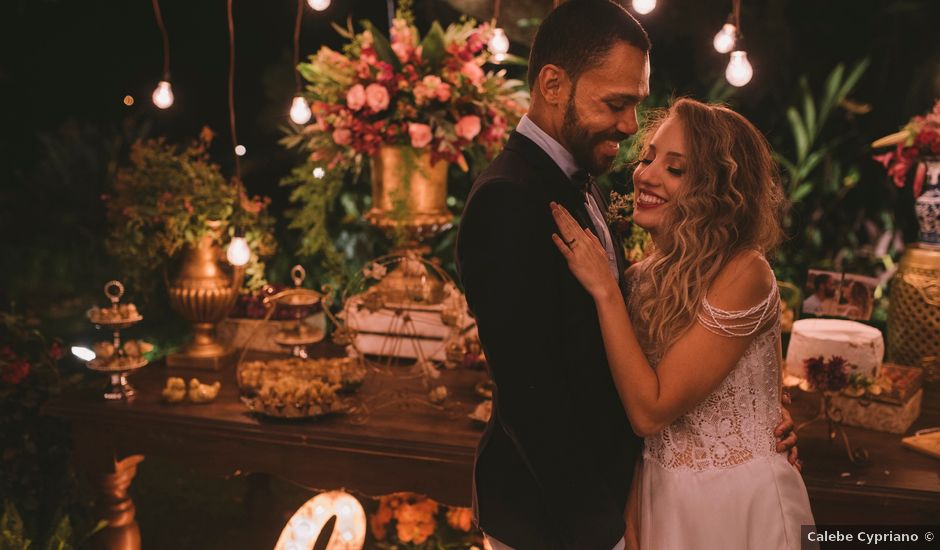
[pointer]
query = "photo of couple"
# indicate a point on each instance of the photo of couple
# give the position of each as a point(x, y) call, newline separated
point(654, 418)
point(840, 295)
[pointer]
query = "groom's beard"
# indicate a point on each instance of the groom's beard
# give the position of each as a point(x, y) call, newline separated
point(583, 144)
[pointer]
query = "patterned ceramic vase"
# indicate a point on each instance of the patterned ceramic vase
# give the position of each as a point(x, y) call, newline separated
point(928, 205)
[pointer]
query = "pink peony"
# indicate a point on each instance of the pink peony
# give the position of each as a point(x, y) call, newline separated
point(468, 127)
point(473, 72)
point(342, 136)
point(420, 134)
point(356, 97)
point(377, 97)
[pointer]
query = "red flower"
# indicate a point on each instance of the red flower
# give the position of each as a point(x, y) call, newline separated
point(55, 351)
point(15, 372)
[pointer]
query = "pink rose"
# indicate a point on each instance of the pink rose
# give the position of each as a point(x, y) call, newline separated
point(472, 71)
point(377, 97)
point(342, 136)
point(356, 97)
point(443, 92)
point(468, 127)
point(420, 134)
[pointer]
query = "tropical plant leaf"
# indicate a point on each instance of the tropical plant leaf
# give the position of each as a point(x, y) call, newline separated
point(383, 49)
point(432, 47)
point(852, 80)
point(799, 133)
point(831, 90)
point(801, 192)
point(809, 109)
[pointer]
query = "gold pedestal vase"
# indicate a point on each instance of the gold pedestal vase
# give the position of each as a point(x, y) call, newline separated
point(914, 313)
point(409, 194)
point(204, 295)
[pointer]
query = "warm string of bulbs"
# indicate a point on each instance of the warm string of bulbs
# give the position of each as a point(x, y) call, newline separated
point(728, 40)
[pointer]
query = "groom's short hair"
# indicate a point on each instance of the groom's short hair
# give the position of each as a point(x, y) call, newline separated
point(578, 33)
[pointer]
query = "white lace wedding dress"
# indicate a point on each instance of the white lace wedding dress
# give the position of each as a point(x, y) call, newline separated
point(713, 480)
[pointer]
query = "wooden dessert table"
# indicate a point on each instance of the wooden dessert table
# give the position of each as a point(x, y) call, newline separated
point(402, 446)
point(417, 448)
point(896, 486)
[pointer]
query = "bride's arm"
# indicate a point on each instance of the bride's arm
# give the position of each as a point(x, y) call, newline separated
point(694, 365)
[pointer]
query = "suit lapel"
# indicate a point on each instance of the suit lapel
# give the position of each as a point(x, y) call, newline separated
point(615, 237)
point(559, 188)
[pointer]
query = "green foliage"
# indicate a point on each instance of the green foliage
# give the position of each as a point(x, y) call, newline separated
point(316, 200)
point(36, 478)
point(820, 172)
point(164, 201)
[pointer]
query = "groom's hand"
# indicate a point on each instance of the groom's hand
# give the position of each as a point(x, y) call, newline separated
point(786, 438)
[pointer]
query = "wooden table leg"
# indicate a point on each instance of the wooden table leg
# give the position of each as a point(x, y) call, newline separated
point(111, 478)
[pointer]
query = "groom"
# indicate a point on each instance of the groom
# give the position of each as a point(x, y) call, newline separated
point(554, 466)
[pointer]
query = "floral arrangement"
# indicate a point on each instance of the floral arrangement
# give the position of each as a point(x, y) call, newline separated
point(919, 138)
point(431, 93)
point(169, 197)
point(636, 240)
point(409, 520)
point(827, 376)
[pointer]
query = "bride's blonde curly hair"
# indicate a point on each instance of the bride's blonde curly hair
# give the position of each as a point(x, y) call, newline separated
point(732, 202)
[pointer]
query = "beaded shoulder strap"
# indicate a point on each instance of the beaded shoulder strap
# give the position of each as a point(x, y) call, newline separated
point(744, 322)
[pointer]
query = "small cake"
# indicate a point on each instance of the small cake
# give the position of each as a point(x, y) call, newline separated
point(861, 345)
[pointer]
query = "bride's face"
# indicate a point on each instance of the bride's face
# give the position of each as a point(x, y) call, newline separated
point(659, 175)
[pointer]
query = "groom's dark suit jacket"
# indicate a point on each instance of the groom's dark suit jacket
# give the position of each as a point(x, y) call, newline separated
point(554, 465)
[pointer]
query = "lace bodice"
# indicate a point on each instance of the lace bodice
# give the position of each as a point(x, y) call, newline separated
point(735, 423)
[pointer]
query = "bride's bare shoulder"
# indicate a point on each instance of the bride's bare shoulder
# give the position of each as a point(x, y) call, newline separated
point(745, 280)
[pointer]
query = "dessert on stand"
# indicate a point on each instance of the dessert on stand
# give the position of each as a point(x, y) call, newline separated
point(117, 358)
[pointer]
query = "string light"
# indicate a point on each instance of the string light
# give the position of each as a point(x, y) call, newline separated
point(499, 42)
point(643, 7)
point(240, 150)
point(163, 94)
point(238, 252)
point(319, 172)
point(319, 5)
point(725, 38)
point(299, 109)
point(739, 71)
point(128, 100)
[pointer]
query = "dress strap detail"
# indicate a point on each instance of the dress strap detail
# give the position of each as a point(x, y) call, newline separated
point(744, 322)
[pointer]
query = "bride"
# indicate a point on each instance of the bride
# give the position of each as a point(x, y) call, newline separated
point(695, 351)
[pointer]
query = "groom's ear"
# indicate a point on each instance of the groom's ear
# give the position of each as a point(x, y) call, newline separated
point(554, 84)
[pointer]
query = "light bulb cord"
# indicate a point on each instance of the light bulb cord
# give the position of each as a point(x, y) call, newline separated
point(231, 87)
point(736, 13)
point(166, 39)
point(495, 11)
point(300, 14)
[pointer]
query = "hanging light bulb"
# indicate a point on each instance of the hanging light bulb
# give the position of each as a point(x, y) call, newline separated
point(238, 252)
point(163, 95)
point(319, 172)
point(318, 5)
point(739, 71)
point(725, 39)
point(240, 150)
point(299, 110)
point(644, 6)
point(499, 44)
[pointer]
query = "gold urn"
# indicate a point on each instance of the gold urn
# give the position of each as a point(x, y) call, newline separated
point(204, 295)
point(914, 313)
point(409, 194)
